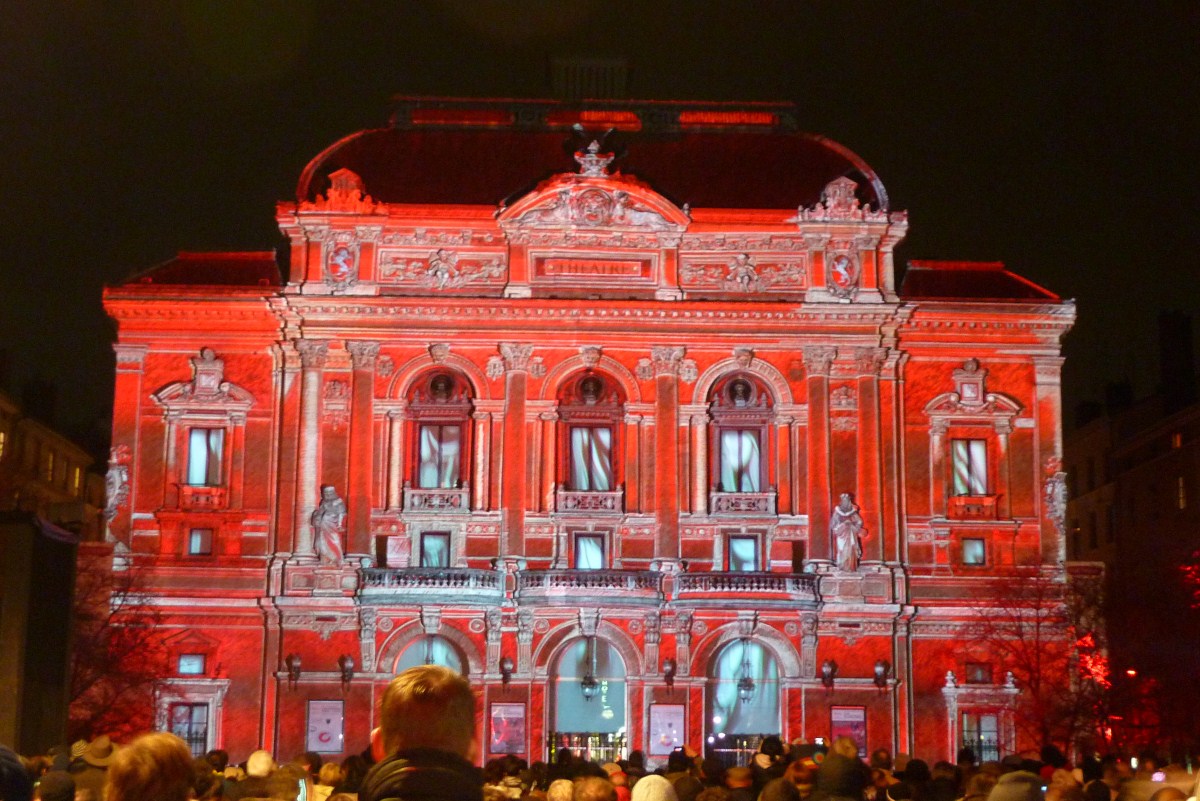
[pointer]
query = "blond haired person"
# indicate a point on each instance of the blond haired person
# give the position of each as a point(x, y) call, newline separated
point(154, 767)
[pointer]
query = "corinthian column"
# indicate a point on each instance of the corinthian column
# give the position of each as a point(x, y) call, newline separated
point(818, 360)
point(667, 366)
point(312, 361)
point(362, 429)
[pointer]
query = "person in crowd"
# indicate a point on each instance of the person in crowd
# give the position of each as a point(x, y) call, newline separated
point(842, 774)
point(802, 772)
point(15, 784)
point(91, 772)
point(620, 780)
point(426, 739)
point(329, 776)
point(768, 764)
point(679, 763)
point(594, 788)
point(635, 766)
point(258, 767)
point(979, 785)
point(154, 767)
point(740, 782)
point(780, 789)
point(55, 785)
point(1017, 785)
point(653, 788)
point(712, 772)
point(354, 769)
point(943, 786)
point(560, 790)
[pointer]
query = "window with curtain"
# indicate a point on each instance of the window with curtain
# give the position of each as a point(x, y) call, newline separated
point(435, 549)
point(589, 552)
point(591, 459)
point(743, 553)
point(205, 446)
point(969, 459)
point(440, 456)
point(728, 713)
point(741, 461)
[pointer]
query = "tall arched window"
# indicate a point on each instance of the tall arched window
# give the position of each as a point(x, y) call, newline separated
point(743, 697)
point(742, 411)
point(439, 408)
point(431, 650)
point(590, 409)
point(589, 688)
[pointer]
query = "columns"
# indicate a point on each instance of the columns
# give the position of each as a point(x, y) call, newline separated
point(818, 359)
point(1048, 386)
point(549, 462)
point(482, 443)
point(867, 482)
point(633, 463)
point(1003, 488)
point(699, 421)
point(362, 424)
point(666, 365)
point(395, 463)
point(516, 363)
point(312, 360)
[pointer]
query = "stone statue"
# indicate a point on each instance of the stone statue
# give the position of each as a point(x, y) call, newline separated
point(845, 527)
point(327, 521)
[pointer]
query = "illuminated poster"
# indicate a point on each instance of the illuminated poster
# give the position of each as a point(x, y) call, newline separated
point(325, 727)
point(508, 729)
point(850, 721)
point(666, 728)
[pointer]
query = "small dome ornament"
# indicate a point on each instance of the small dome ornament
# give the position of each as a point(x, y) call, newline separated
point(593, 163)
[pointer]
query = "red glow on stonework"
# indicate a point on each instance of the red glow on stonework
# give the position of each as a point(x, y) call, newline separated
point(621, 120)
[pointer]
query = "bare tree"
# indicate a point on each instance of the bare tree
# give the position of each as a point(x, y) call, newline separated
point(1044, 625)
point(118, 656)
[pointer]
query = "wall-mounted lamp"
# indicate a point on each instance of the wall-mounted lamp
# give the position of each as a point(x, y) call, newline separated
point(292, 663)
point(669, 668)
point(506, 669)
point(882, 669)
point(588, 685)
point(829, 669)
point(346, 666)
point(745, 684)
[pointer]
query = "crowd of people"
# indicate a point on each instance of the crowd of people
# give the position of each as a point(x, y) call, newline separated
point(425, 750)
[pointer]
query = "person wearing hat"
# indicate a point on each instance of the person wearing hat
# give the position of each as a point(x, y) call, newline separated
point(92, 771)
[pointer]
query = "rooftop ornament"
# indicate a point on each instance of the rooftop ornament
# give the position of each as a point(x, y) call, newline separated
point(592, 162)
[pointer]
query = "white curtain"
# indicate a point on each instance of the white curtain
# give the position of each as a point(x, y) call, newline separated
point(589, 552)
point(740, 461)
point(591, 459)
point(204, 456)
point(441, 452)
point(760, 713)
point(970, 466)
point(743, 554)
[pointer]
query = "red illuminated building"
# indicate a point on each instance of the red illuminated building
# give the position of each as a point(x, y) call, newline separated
point(651, 446)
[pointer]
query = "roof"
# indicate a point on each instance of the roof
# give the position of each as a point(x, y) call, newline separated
point(249, 269)
point(484, 152)
point(969, 280)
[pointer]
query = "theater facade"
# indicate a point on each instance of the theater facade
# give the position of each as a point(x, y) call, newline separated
point(620, 410)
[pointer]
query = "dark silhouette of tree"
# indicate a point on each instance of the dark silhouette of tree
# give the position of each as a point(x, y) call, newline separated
point(1045, 627)
point(118, 656)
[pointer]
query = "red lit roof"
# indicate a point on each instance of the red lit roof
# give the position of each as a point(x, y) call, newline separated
point(968, 280)
point(251, 269)
point(483, 152)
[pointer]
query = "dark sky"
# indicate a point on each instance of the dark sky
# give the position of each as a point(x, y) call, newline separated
point(1059, 138)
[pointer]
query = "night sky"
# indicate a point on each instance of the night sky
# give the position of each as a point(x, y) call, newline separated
point(1058, 138)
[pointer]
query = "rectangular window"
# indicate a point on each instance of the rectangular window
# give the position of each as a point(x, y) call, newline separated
point(1180, 493)
point(189, 722)
point(3, 442)
point(981, 733)
point(974, 551)
point(589, 552)
point(591, 459)
point(191, 664)
point(76, 480)
point(435, 549)
point(200, 542)
point(979, 673)
point(205, 446)
point(441, 455)
point(969, 457)
point(48, 467)
point(743, 554)
point(741, 461)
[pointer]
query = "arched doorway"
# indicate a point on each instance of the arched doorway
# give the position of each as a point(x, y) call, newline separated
point(589, 704)
point(431, 650)
point(743, 703)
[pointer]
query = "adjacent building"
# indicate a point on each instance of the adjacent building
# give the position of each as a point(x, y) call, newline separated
point(637, 430)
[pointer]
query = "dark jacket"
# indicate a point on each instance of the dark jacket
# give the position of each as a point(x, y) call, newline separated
point(423, 774)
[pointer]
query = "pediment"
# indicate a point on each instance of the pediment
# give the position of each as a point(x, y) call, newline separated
point(208, 389)
point(596, 202)
point(992, 405)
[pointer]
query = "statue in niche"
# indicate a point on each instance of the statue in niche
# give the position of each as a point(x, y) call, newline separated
point(328, 520)
point(845, 527)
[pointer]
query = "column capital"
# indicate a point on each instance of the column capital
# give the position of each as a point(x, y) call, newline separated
point(515, 358)
point(818, 359)
point(313, 353)
point(869, 360)
point(363, 354)
point(667, 360)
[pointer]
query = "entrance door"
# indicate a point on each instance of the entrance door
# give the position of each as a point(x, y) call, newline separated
point(589, 700)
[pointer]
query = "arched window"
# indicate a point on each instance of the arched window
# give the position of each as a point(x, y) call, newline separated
point(431, 650)
point(590, 411)
point(589, 688)
point(439, 407)
point(743, 691)
point(742, 411)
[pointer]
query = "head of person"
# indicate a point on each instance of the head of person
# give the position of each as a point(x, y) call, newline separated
point(260, 764)
point(881, 758)
point(331, 774)
point(56, 785)
point(15, 784)
point(738, 777)
point(560, 790)
point(779, 790)
point(154, 767)
point(653, 788)
point(428, 706)
point(218, 759)
point(594, 788)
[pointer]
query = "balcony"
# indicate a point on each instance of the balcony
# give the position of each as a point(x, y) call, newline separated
point(424, 585)
point(741, 503)
point(587, 587)
point(194, 498)
point(592, 502)
point(760, 589)
point(972, 507)
point(438, 501)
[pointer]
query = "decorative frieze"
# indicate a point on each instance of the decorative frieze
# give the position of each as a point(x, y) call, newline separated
point(742, 273)
point(441, 269)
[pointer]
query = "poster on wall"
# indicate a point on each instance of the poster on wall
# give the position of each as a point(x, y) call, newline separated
point(850, 721)
point(325, 732)
point(666, 728)
point(507, 729)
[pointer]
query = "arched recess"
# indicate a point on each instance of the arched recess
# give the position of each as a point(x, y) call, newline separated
point(782, 649)
point(618, 372)
point(414, 368)
point(560, 636)
point(774, 379)
point(412, 632)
